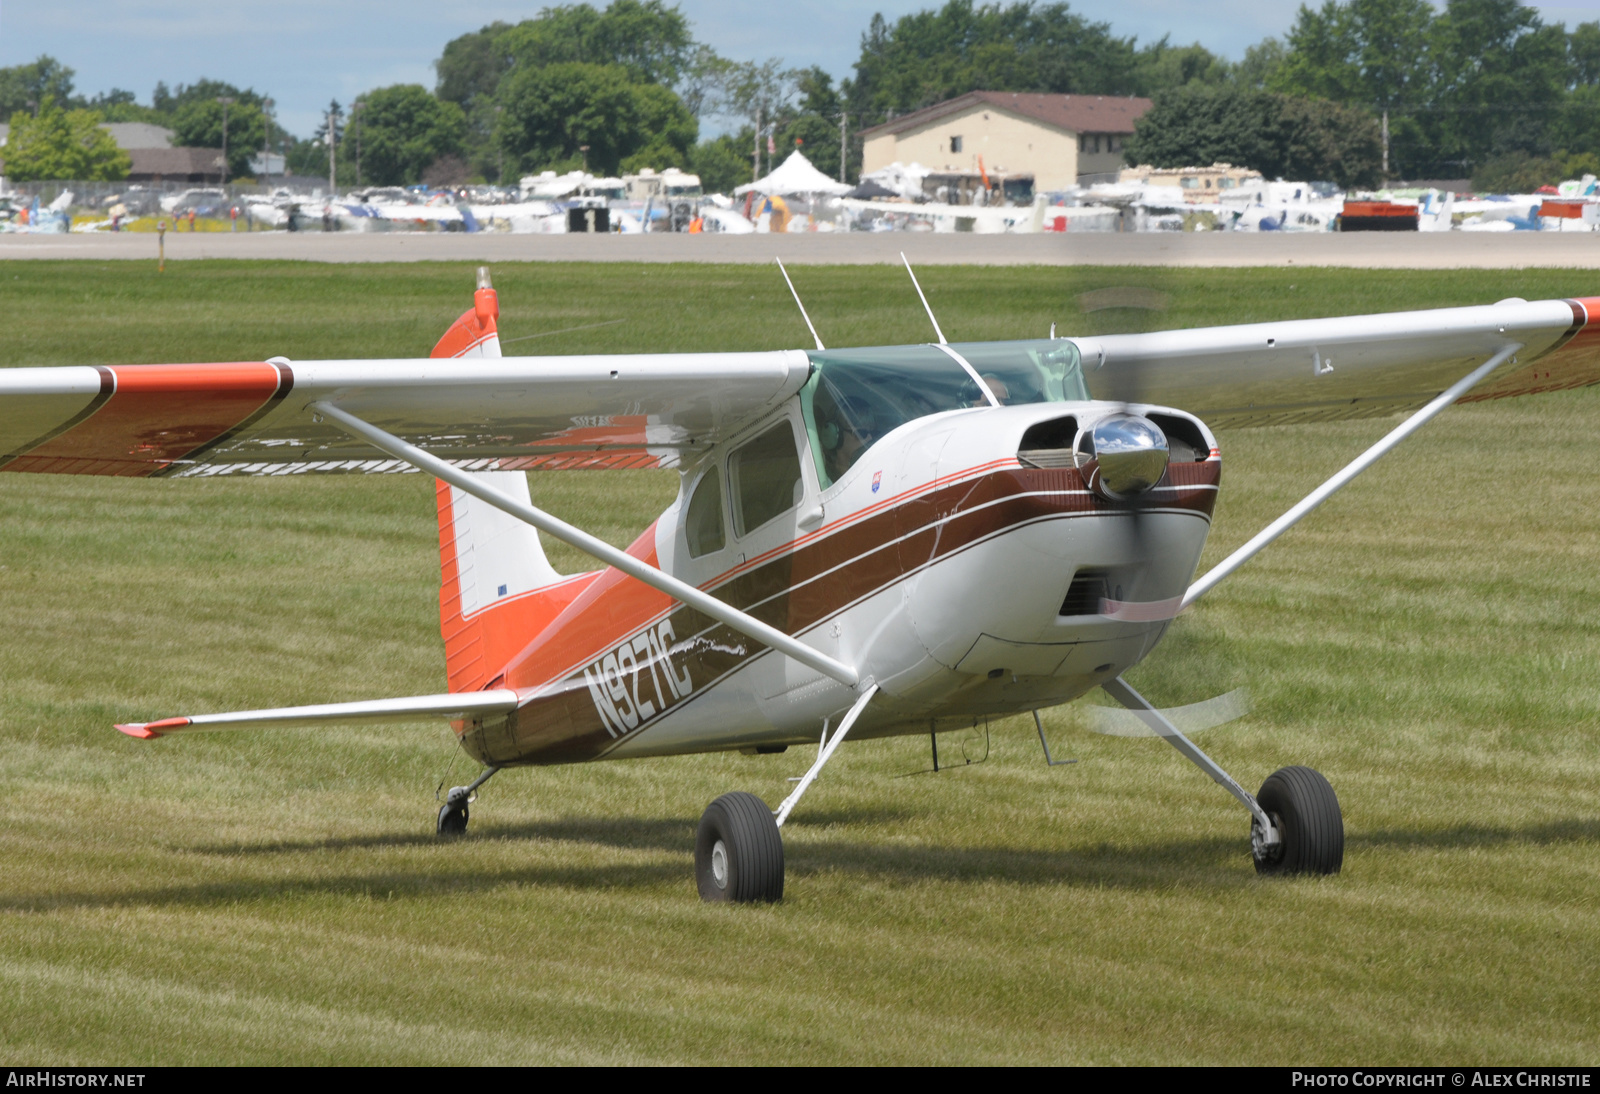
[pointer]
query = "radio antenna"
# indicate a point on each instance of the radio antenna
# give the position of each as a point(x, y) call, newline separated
point(920, 293)
point(799, 305)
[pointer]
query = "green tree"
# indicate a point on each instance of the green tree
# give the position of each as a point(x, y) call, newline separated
point(1275, 134)
point(1261, 63)
point(723, 162)
point(202, 91)
point(119, 105)
point(1477, 81)
point(816, 137)
point(930, 56)
point(470, 68)
point(403, 131)
point(1517, 173)
point(649, 39)
point(1371, 53)
point(551, 111)
point(1161, 65)
point(43, 78)
point(62, 144)
point(1583, 54)
point(197, 123)
point(1500, 78)
point(817, 93)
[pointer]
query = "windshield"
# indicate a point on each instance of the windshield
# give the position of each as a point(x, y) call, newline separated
point(854, 397)
point(1045, 371)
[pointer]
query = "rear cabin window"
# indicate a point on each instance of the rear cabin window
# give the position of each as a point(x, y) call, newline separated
point(703, 528)
point(764, 478)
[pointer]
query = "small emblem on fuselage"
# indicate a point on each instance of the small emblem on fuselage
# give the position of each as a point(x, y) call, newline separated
point(877, 480)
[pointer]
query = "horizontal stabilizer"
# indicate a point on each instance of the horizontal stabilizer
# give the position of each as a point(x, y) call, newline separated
point(474, 704)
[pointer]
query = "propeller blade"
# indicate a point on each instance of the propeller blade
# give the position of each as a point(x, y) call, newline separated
point(1194, 718)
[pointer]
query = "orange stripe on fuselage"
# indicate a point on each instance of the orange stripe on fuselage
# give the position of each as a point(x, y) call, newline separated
point(158, 414)
point(607, 608)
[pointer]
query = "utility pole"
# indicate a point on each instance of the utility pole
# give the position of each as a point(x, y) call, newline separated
point(331, 156)
point(1386, 146)
point(266, 145)
point(844, 146)
point(755, 154)
point(226, 102)
point(355, 116)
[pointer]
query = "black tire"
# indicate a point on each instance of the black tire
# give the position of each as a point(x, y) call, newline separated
point(1310, 825)
point(738, 853)
point(453, 821)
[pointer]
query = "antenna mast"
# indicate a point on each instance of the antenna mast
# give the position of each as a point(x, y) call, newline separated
point(799, 305)
point(924, 299)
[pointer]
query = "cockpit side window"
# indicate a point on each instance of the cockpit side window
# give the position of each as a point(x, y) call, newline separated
point(703, 526)
point(764, 478)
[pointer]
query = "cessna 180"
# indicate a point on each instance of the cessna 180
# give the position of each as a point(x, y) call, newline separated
point(866, 542)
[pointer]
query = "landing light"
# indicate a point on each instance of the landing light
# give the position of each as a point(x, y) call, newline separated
point(1129, 451)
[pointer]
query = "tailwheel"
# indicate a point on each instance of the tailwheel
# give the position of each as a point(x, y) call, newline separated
point(738, 853)
point(1305, 811)
point(454, 812)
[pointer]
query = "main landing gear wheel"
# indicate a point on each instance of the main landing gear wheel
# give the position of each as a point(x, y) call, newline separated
point(453, 813)
point(738, 853)
point(1305, 811)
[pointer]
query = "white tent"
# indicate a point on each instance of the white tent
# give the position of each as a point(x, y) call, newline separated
point(795, 175)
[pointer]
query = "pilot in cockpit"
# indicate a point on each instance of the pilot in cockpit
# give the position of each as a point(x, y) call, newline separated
point(844, 432)
point(997, 387)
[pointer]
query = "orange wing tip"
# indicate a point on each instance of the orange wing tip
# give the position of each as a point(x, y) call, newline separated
point(149, 731)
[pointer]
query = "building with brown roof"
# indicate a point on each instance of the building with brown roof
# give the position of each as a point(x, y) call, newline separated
point(1057, 139)
point(175, 165)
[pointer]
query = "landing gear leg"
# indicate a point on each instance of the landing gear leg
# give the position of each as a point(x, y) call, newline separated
point(738, 851)
point(1296, 826)
point(453, 814)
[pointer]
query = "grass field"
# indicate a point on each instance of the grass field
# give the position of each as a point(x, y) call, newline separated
point(1428, 640)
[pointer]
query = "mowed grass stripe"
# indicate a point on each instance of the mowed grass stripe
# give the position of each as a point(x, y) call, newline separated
point(1427, 639)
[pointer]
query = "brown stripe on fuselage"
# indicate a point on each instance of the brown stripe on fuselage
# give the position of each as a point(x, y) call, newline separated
point(796, 589)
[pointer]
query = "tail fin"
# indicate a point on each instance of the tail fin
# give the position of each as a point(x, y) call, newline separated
point(487, 559)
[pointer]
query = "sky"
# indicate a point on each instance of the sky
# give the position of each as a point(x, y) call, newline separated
point(305, 52)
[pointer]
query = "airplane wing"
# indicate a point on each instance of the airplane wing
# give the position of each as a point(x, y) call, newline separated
point(507, 413)
point(1352, 367)
point(525, 413)
point(474, 704)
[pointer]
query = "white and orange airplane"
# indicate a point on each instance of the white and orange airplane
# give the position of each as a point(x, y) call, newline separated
point(866, 542)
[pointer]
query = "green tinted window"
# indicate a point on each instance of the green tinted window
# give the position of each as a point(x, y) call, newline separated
point(856, 396)
point(703, 526)
point(764, 477)
point(1045, 371)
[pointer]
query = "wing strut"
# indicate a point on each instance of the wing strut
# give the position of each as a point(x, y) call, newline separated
point(1351, 470)
point(722, 612)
